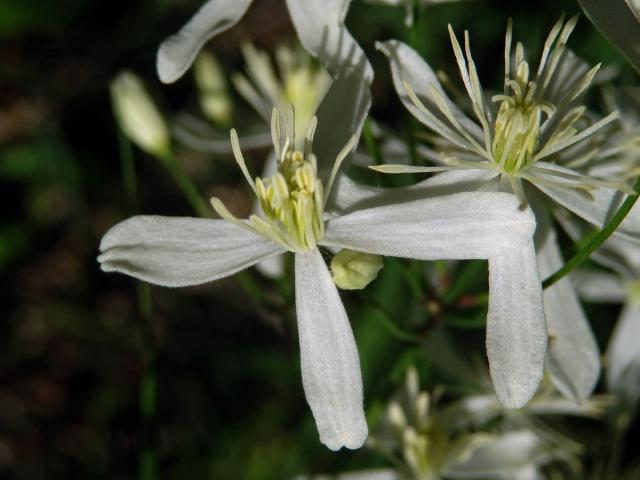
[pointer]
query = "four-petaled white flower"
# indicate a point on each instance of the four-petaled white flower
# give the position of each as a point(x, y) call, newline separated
point(188, 251)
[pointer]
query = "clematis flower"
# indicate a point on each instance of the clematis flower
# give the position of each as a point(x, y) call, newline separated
point(177, 252)
point(512, 147)
point(299, 83)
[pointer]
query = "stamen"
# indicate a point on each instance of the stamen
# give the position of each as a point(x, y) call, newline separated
point(507, 54)
point(237, 153)
point(547, 45)
point(344, 153)
point(308, 139)
point(224, 213)
point(546, 151)
point(275, 131)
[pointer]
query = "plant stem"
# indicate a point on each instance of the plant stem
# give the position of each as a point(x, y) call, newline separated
point(147, 461)
point(372, 144)
point(387, 320)
point(596, 240)
point(148, 464)
point(185, 184)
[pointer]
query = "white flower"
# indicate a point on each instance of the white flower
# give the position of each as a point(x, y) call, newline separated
point(298, 82)
point(187, 251)
point(537, 116)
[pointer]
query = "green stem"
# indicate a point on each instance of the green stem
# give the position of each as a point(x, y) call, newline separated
point(185, 184)
point(594, 242)
point(128, 172)
point(147, 462)
point(387, 320)
point(372, 144)
point(415, 27)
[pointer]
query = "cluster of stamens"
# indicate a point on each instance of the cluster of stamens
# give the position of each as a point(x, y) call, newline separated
point(517, 125)
point(292, 200)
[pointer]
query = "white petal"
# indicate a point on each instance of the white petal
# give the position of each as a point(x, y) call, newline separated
point(177, 53)
point(597, 209)
point(573, 358)
point(465, 226)
point(350, 196)
point(623, 355)
point(408, 66)
point(457, 227)
point(329, 358)
point(599, 287)
point(516, 329)
point(341, 115)
point(320, 27)
point(502, 455)
point(181, 251)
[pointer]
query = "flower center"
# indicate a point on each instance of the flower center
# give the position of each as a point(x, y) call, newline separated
point(292, 201)
point(518, 122)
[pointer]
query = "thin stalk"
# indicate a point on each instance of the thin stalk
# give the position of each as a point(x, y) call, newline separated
point(129, 179)
point(598, 239)
point(372, 144)
point(185, 184)
point(415, 27)
point(387, 320)
point(147, 461)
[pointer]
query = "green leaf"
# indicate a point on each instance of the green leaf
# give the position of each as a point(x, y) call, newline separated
point(618, 23)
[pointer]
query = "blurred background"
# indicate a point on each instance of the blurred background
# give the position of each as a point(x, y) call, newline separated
point(85, 354)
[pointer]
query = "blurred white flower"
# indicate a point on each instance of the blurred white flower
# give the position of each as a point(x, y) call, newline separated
point(319, 24)
point(297, 82)
point(138, 116)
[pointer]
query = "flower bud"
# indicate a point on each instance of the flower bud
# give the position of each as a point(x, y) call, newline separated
point(354, 270)
point(138, 116)
point(214, 95)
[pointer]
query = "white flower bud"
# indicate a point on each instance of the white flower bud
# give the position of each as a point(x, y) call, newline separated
point(138, 116)
point(354, 270)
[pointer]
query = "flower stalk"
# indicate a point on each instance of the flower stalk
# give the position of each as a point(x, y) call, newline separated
point(598, 239)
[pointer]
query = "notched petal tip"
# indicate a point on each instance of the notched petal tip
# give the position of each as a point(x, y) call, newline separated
point(352, 439)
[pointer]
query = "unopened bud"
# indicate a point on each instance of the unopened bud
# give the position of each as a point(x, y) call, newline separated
point(354, 270)
point(138, 116)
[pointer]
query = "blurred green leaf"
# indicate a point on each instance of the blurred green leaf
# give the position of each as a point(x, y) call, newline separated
point(618, 23)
